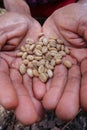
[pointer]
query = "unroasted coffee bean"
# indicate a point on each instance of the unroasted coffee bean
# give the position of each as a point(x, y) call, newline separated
point(30, 72)
point(67, 63)
point(39, 59)
point(43, 77)
point(23, 69)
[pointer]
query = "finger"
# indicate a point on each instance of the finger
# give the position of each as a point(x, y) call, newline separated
point(73, 38)
point(3, 40)
point(70, 98)
point(12, 43)
point(25, 112)
point(9, 57)
point(19, 30)
point(48, 84)
point(83, 92)
point(13, 38)
point(8, 97)
point(37, 104)
point(52, 97)
point(82, 28)
point(39, 88)
point(13, 6)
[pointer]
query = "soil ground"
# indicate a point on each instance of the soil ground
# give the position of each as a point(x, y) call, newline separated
point(8, 121)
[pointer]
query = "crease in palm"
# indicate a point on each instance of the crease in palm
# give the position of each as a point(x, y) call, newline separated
point(56, 25)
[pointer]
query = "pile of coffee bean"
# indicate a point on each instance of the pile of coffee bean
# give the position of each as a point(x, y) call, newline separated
point(39, 59)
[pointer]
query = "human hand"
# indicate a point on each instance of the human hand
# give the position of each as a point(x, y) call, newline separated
point(19, 92)
point(19, 95)
point(63, 90)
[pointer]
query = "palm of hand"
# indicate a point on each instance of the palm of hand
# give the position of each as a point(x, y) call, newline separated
point(63, 90)
point(19, 94)
point(59, 89)
point(15, 28)
point(68, 23)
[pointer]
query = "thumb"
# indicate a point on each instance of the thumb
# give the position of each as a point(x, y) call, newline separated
point(82, 28)
point(3, 40)
point(12, 43)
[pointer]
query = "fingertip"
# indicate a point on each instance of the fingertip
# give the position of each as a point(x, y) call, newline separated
point(39, 88)
point(25, 112)
point(9, 102)
point(83, 97)
point(39, 108)
point(68, 105)
point(26, 121)
point(12, 44)
point(83, 90)
point(66, 110)
point(51, 99)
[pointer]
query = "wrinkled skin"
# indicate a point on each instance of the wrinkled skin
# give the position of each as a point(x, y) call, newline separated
point(16, 90)
point(14, 29)
point(69, 24)
point(62, 94)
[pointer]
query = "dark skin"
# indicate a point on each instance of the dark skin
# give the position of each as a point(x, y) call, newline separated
point(66, 89)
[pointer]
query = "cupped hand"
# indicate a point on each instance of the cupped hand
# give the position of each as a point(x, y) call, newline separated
point(16, 90)
point(62, 91)
point(68, 24)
